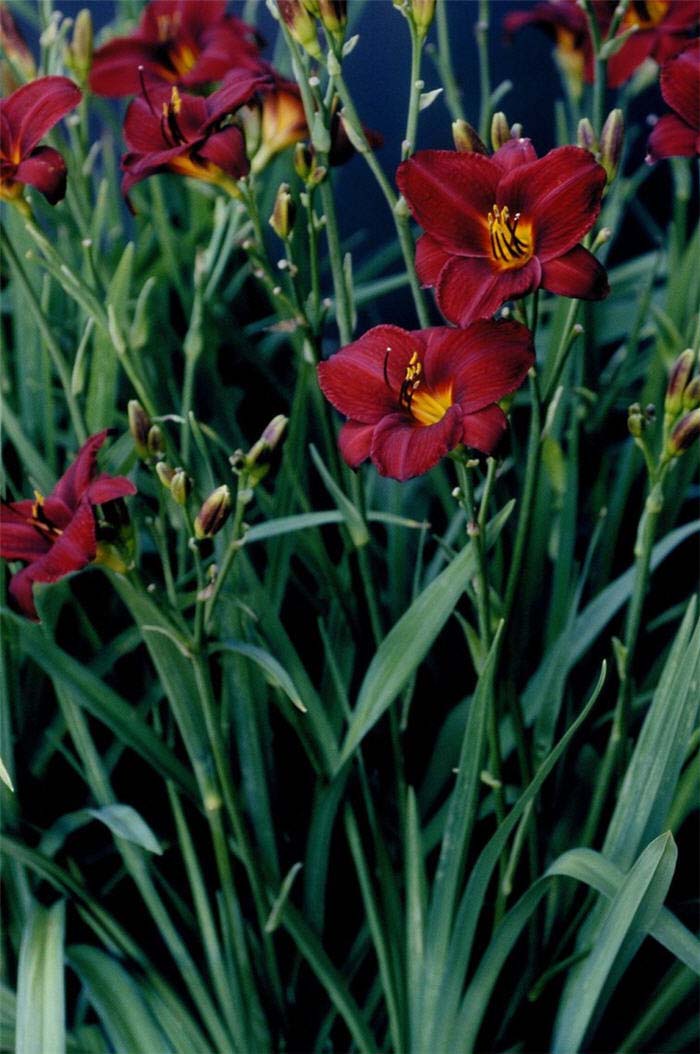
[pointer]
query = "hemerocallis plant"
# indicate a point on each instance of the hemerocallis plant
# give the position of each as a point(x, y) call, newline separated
point(678, 134)
point(57, 534)
point(25, 117)
point(412, 397)
point(183, 42)
point(497, 228)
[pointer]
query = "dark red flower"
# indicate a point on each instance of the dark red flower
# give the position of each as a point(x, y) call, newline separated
point(410, 398)
point(169, 131)
point(500, 227)
point(565, 23)
point(25, 117)
point(678, 134)
point(186, 42)
point(57, 534)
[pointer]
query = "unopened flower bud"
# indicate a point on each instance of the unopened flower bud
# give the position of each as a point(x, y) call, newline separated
point(611, 141)
point(259, 457)
point(139, 427)
point(213, 513)
point(333, 15)
point(180, 486)
point(301, 25)
point(282, 218)
point(636, 421)
point(500, 130)
point(680, 374)
point(155, 441)
point(165, 474)
point(466, 139)
point(586, 137)
point(303, 160)
point(684, 434)
point(422, 13)
point(691, 395)
point(81, 46)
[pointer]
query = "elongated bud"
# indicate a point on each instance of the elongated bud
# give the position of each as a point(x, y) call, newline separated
point(81, 46)
point(165, 474)
point(301, 25)
point(213, 513)
point(466, 139)
point(180, 486)
point(259, 458)
point(422, 13)
point(636, 420)
point(691, 395)
point(303, 160)
point(500, 130)
point(155, 442)
point(333, 15)
point(139, 427)
point(611, 141)
point(680, 374)
point(586, 137)
point(282, 218)
point(684, 434)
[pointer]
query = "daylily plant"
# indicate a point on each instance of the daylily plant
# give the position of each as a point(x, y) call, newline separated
point(500, 227)
point(412, 397)
point(184, 42)
point(25, 117)
point(678, 134)
point(169, 131)
point(57, 534)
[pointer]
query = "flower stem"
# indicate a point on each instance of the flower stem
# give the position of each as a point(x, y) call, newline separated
point(532, 466)
point(443, 61)
point(482, 43)
point(415, 88)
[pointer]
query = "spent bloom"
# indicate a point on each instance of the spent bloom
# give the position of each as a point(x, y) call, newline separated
point(170, 131)
point(184, 42)
point(497, 228)
point(412, 397)
point(25, 117)
point(678, 134)
point(58, 534)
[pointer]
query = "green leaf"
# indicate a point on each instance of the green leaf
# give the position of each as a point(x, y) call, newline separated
point(41, 1026)
point(304, 521)
point(125, 822)
point(410, 639)
point(631, 913)
point(276, 673)
point(351, 516)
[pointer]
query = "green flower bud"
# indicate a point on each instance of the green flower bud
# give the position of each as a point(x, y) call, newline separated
point(80, 49)
point(422, 13)
point(301, 25)
point(691, 395)
point(165, 474)
point(282, 218)
point(259, 458)
point(611, 142)
point(303, 161)
point(586, 137)
point(333, 15)
point(680, 374)
point(636, 420)
point(500, 130)
point(155, 442)
point(139, 427)
point(466, 139)
point(213, 514)
point(684, 434)
point(180, 486)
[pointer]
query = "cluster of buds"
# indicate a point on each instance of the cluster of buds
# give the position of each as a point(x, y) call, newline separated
point(302, 17)
point(254, 466)
point(147, 437)
point(607, 149)
point(682, 406)
point(305, 165)
point(176, 481)
point(420, 13)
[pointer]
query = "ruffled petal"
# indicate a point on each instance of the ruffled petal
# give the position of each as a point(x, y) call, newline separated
point(680, 85)
point(226, 150)
point(469, 288)
point(238, 88)
point(430, 259)
point(35, 108)
point(44, 169)
point(355, 442)
point(671, 137)
point(450, 195)
point(108, 488)
point(560, 194)
point(576, 273)
point(115, 67)
point(74, 482)
point(364, 378)
point(402, 448)
point(484, 362)
point(484, 429)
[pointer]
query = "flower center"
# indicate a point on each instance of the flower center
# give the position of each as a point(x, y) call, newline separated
point(425, 406)
point(168, 26)
point(645, 13)
point(510, 248)
point(38, 518)
point(183, 58)
point(168, 122)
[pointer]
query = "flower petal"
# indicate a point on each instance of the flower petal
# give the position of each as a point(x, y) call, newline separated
point(74, 482)
point(107, 488)
point(576, 273)
point(469, 288)
point(402, 448)
point(19, 540)
point(560, 194)
point(671, 137)
point(430, 259)
point(355, 442)
point(238, 88)
point(35, 108)
point(680, 84)
point(226, 150)
point(44, 169)
point(450, 195)
point(485, 361)
point(364, 378)
point(115, 67)
point(484, 429)
point(514, 153)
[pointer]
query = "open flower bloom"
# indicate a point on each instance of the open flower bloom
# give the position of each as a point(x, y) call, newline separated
point(500, 227)
point(169, 131)
point(25, 117)
point(57, 534)
point(678, 134)
point(186, 42)
point(412, 397)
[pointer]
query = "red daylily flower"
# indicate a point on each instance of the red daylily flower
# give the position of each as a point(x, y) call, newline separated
point(185, 42)
point(169, 131)
point(500, 227)
point(567, 26)
point(25, 117)
point(412, 397)
point(678, 134)
point(56, 535)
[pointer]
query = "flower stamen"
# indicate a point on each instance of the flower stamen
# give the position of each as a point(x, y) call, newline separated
point(509, 248)
point(411, 382)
